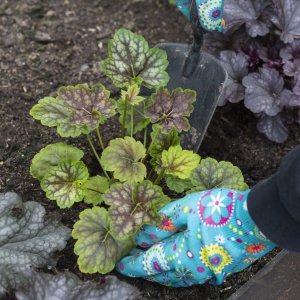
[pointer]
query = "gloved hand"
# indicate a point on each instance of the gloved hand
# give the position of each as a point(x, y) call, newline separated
point(208, 12)
point(203, 237)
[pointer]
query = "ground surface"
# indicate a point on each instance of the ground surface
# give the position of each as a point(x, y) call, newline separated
point(46, 44)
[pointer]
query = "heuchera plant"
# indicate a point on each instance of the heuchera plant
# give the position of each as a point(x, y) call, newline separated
point(135, 174)
point(260, 50)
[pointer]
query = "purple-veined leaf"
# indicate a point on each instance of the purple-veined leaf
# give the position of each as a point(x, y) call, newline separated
point(212, 174)
point(28, 239)
point(162, 141)
point(96, 245)
point(178, 185)
point(67, 286)
point(178, 162)
point(265, 92)
point(273, 128)
point(89, 106)
point(52, 155)
point(171, 110)
point(94, 188)
point(133, 205)
point(63, 183)
point(140, 121)
point(270, 56)
point(130, 60)
point(123, 157)
point(292, 68)
point(236, 65)
point(254, 14)
point(132, 95)
point(287, 19)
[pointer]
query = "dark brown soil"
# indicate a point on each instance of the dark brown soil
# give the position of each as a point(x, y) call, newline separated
point(46, 44)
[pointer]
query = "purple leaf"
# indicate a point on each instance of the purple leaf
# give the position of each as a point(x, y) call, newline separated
point(291, 51)
point(273, 128)
point(292, 68)
point(294, 101)
point(296, 88)
point(287, 19)
point(236, 66)
point(171, 110)
point(270, 56)
point(265, 92)
point(251, 13)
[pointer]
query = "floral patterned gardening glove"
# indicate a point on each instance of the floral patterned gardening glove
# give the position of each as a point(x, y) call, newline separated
point(203, 237)
point(208, 12)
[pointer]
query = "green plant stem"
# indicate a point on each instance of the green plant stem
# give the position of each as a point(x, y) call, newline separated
point(145, 137)
point(148, 150)
point(100, 138)
point(124, 116)
point(97, 156)
point(131, 123)
point(160, 176)
point(150, 173)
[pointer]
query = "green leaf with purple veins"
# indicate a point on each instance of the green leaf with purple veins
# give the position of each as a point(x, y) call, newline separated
point(178, 185)
point(133, 205)
point(63, 183)
point(178, 162)
point(162, 141)
point(212, 174)
point(123, 157)
point(52, 155)
point(130, 60)
point(89, 106)
point(53, 112)
point(172, 110)
point(139, 120)
point(94, 188)
point(96, 246)
point(132, 95)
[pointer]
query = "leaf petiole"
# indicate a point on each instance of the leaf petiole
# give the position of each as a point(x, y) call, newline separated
point(152, 142)
point(131, 127)
point(97, 156)
point(100, 138)
point(124, 116)
point(160, 176)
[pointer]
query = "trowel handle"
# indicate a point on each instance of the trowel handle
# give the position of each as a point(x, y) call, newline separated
point(191, 61)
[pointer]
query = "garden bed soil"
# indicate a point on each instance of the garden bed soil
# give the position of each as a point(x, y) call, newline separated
point(47, 44)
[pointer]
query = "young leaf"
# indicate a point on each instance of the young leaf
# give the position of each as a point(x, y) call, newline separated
point(27, 239)
point(89, 106)
point(53, 155)
point(62, 183)
point(212, 174)
point(162, 141)
point(179, 162)
point(140, 121)
point(130, 60)
point(67, 286)
point(132, 95)
point(97, 248)
point(178, 185)
point(94, 188)
point(172, 111)
point(123, 157)
point(133, 205)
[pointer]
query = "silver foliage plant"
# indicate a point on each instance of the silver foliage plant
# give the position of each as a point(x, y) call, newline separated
point(260, 50)
point(28, 241)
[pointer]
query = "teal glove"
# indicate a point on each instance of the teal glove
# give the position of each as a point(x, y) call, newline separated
point(209, 12)
point(203, 237)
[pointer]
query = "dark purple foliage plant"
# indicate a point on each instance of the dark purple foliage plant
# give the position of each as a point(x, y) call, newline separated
point(260, 50)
